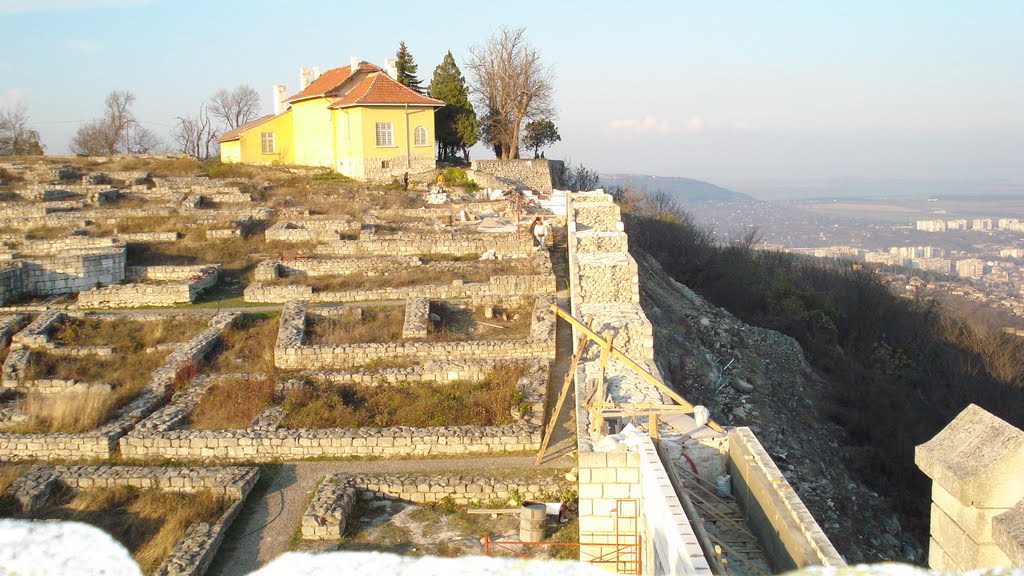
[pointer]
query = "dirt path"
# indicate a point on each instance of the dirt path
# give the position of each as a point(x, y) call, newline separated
point(273, 511)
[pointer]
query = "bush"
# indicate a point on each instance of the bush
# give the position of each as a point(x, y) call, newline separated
point(330, 176)
point(457, 177)
point(900, 369)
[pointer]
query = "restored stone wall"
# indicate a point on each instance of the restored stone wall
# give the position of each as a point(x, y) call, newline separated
point(419, 244)
point(161, 286)
point(538, 174)
point(77, 270)
point(787, 531)
point(496, 286)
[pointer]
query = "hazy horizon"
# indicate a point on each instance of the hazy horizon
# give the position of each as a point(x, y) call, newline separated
point(739, 95)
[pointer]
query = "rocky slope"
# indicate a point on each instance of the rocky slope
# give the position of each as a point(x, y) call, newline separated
point(750, 376)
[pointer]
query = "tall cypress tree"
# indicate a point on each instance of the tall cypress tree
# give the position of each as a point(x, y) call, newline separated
point(456, 124)
point(407, 69)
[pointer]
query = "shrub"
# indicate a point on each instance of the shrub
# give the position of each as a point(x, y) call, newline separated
point(330, 176)
point(900, 369)
point(454, 176)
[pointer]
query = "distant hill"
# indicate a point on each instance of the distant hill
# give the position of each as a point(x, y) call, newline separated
point(683, 189)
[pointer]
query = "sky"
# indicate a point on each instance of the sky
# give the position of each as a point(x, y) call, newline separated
point(732, 92)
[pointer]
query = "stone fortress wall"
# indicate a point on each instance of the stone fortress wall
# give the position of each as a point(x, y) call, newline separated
point(540, 175)
point(634, 482)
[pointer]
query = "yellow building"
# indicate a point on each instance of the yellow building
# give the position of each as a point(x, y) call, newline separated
point(356, 119)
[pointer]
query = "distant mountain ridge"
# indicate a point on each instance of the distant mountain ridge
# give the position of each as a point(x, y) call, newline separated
point(683, 189)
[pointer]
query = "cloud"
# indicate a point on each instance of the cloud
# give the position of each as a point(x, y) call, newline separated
point(83, 46)
point(12, 97)
point(646, 125)
point(742, 126)
point(35, 6)
point(696, 125)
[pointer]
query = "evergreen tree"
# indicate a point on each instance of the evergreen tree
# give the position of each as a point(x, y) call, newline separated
point(456, 124)
point(407, 69)
point(540, 134)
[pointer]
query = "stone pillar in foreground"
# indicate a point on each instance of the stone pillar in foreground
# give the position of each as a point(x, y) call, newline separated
point(976, 464)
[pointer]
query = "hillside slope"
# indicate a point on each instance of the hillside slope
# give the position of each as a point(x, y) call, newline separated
point(771, 388)
point(679, 188)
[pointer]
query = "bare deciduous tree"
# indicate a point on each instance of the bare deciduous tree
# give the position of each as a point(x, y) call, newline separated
point(16, 138)
point(235, 107)
point(117, 132)
point(510, 82)
point(196, 135)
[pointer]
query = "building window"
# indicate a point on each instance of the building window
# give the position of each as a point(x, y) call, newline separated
point(385, 134)
point(267, 142)
point(419, 136)
point(385, 164)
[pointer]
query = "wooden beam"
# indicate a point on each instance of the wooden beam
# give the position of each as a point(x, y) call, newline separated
point(630, 363)
point(566, 386)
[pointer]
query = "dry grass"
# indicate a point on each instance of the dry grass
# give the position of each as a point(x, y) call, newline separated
point(247, 346)
point(127, 335)
point(231, 252)
point(143, 224)
point(488, 402)
point(376, 325)
point(233, 403)
point(71, 411)
point(45, 233)
point(124, 369)
point(82, 409)
point(460, 323)
point(149, 523)
point(8, 474)
point(160, 167)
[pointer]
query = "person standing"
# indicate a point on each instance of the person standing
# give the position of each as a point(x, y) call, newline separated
point(539, 230)
point(440, 183)
point(405, 181)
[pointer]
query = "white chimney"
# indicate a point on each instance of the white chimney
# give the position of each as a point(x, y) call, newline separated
point(304, 77)
point(316, 72)
point(279, 94)
point(353, 65)
point(391, 67)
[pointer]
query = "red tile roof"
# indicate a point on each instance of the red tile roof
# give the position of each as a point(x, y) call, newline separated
point(327, 81)
point(237, 132)
point(378, 88)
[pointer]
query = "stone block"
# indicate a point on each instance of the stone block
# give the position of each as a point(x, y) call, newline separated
point(1008, 533)
point(977, 458)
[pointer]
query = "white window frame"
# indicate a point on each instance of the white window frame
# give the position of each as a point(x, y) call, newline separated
point(385, 135)
point(267, 138)
point(419, 137)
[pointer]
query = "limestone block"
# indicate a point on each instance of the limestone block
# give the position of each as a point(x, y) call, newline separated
point(977, 459)
point(1008, 533)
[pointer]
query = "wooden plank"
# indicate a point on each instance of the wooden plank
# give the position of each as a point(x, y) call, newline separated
point(566, 386)
point(631, 364)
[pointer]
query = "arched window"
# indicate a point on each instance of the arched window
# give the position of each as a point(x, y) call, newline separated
point(420, 136)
